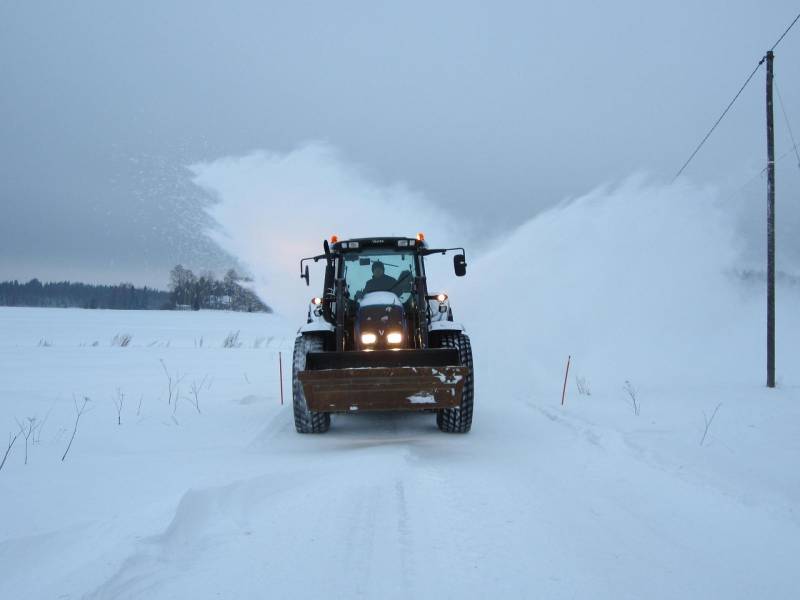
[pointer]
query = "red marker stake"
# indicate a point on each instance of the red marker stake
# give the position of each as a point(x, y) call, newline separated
point(564, 391)
point(280, 374)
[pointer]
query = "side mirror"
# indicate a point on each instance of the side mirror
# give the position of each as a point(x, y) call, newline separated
point(304, 275)
point(460, 265)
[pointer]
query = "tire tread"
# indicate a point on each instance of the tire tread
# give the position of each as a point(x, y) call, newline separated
point(306, 421)
point(459, 419)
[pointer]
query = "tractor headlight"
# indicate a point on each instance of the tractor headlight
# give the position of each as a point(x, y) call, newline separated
point(394, 338)
point(368, 338)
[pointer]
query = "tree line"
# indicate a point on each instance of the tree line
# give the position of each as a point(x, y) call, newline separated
point(187, 291)
point(190, 291)
point(70, 294)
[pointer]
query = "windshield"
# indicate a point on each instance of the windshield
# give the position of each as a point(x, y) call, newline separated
point(379, 271)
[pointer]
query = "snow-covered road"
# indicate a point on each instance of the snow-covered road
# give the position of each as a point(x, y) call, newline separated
point(535, 505)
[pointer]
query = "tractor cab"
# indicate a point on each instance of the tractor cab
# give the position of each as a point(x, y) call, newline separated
point(359, 268)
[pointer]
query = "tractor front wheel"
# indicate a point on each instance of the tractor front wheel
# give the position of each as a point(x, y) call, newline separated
point(459, 419)
point(306, 421)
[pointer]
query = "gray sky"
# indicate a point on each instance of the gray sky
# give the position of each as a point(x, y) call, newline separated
point(496, 110)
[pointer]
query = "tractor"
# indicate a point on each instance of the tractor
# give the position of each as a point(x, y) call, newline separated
point(378, 340)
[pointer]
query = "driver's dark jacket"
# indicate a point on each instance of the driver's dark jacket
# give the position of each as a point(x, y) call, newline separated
point(384, 283)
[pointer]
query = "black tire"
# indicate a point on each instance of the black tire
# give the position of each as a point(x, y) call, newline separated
point(306, 421)
point(459, 419)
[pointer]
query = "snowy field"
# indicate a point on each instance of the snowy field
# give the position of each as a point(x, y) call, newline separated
point(589, 500)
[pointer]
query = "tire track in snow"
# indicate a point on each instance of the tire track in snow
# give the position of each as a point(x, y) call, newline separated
point(203, 519)
point(407, 550)
point(310, 516)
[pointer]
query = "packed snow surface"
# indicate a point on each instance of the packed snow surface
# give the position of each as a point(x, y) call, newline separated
point(380, 299)
point(422, 398)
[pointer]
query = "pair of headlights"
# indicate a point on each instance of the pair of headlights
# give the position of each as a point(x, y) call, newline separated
point(395, 337)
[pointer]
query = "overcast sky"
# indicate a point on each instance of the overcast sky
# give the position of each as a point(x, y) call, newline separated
point(496, 110)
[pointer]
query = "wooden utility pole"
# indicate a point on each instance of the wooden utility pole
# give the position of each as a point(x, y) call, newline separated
point(770, 230)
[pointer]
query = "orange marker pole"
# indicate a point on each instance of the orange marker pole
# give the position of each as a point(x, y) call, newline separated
point(280, 374)
point(564, 391)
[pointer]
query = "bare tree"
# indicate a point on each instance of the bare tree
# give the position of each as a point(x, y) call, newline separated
point(139, 408)
point(26, 429)
point(175, 406)
point(195, 390)
point(11, 440)
point(172, 382)
point(708, 422)
point(37, 435)
point(182, 284)
point(119, 402)
point(177, 399)
point(78, 413)
point(631, 391)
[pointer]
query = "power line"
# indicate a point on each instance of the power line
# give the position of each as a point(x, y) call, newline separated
point(788, 125)
point(761, 172)
point(736, 97)
point(717, 122)
point(783, 35)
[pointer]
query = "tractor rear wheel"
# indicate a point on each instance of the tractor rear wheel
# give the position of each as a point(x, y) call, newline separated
point(459, 419)
point(306, 421)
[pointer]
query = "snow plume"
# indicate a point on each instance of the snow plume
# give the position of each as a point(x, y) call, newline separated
point(274, 208)
point(635, 281)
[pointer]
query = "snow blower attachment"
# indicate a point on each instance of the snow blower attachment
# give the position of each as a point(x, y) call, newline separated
point(377, 341)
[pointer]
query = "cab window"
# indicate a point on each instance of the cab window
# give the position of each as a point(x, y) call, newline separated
point(383, 271)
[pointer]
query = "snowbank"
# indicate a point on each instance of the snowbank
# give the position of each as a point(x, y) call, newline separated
point(636, 282)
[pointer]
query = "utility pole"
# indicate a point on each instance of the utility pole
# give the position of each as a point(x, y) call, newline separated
point(770, 230)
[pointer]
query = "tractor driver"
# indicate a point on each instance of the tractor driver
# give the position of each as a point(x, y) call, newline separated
point(380, 282)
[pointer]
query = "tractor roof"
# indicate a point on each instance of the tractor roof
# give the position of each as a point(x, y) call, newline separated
point(380, 242)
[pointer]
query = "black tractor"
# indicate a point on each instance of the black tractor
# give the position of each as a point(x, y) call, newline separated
point(378, 340)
